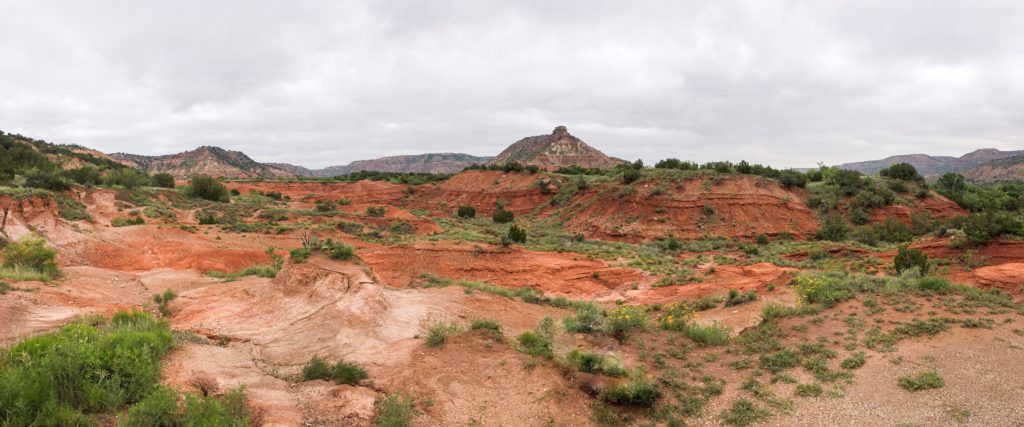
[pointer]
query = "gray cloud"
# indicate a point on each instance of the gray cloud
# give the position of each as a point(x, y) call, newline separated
point(318, 83)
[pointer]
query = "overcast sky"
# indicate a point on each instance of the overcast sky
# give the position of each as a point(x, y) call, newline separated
point(324, 83)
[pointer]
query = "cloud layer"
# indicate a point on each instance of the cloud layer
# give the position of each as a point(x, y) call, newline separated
point(321, 83)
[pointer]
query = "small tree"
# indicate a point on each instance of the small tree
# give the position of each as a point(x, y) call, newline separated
point(902, 171)
point(164, 180)
point(502, 216)
point(516, 234)
point(207, 188)
point(910, 258)
point(466, 212)
point(630, 175)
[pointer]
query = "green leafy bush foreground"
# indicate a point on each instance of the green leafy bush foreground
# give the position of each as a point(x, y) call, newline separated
point(86, 368)
point(29, 259)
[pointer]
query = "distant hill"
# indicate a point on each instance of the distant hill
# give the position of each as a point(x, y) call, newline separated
point(419, 163)
point(932, 167)
point(213, 161)
point(556, 150)
point(1001, 170)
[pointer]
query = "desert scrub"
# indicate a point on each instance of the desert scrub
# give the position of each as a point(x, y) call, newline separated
point(594, 363)
point(489, 325)
point(736, 298)
point(299, 255)
point(625, 319)
point(636, 392)
point(394, 411)
point(535, 343)
point(680, 317)
point(86, 368)
point(163, 301)
point(126, 221)
point(923, 381)
point(438, 334)
point(808, 390)
point(341, 372)
point(71, 209)
point(589, 319)
point(854, 361)
point(744, 413)
point(29, 259)
point(161, 408)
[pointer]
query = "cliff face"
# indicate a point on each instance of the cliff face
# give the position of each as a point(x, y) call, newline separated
point(213, 161)
point(556, 150)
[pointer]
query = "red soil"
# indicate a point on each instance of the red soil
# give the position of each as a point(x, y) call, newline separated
point(739, 207)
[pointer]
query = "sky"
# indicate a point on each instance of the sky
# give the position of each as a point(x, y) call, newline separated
point(319, 83)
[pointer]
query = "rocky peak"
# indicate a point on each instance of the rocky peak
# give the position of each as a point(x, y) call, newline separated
point(558, 149)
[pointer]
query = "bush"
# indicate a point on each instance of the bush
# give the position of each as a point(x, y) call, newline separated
point(706, 335)
point(124, 222)
point(164, 180)
point(394, 411)
point(438, 335)
point(535, 344)
point(516, 234)
point(855, 361)
point(376, 211)
point(593, 363)
point(780, 361)
point(736, 298)
point(325, 206)
point(910, 258)
point(47, 180)
point(31, 254)
point(348, 373)
point(488, 325)
point(630, 175)
point(86, 175)
point(923, 381)
point(299, 255)
point(762, 239)
point(86, 367)
point(833, 228)
point(163, 301)
point(127, 178)
point(903, 172)
point(589, 319)
point(624, 319)
point(466, 212)
point(502, 216)
point(316, 369)
point(402, 227)
point(207, 188)
point(207, 218)
point(636, 392)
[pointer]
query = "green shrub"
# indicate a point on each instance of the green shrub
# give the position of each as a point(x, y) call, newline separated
point(589, 319)
point(164, 180)
point(624, 319)
point(394, 411)
point(923, 381)
point(341, 251)
point(502, 216)
point(636, 392)
point(516, 234)
point(376, 211)
point(833, 228)
point(779, 361)
point(86, 367)
point(710, 335)
point(163, 301)
point(207, 188)
point(31, 255)
point(735, 298)
point(299, 255)
point(402, 227)
point(744, 413)
point(630, 175)
point(126, 221)
point(316, 369)
point(466, 212)
point(535, 344)
point(86, 175)
point(438, 335)
point(348, 373)
point(909, 258)
point(229, 411)
point(488, 325)
point(127, 178)
point(855, 361)
point(902, 171)
point(158, 409)
point(207, 218)
point(808, 390)
point(71, 209)
point(771, 312)
point(325, 206)
point(762, 239)
point(594, 363)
